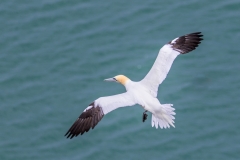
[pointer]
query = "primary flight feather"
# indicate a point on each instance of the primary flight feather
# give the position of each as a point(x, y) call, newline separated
point(143, 92)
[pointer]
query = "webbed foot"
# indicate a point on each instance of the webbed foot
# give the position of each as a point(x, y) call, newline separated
point(144, 116)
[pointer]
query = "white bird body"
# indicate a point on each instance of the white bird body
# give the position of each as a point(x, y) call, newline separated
point(143, 92)
point(137, 93)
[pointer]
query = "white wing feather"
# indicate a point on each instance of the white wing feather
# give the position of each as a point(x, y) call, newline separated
point(165, 58)
point(111, 103)
point(95, 112)
point(160, 69)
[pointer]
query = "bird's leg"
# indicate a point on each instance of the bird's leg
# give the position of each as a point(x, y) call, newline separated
point(144, 116)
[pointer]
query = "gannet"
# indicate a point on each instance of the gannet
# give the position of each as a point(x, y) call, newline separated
point(143, 92)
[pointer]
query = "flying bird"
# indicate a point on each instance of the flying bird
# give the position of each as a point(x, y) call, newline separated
point(143, 92)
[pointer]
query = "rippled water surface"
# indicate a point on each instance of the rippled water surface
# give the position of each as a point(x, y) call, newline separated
point(55, 54)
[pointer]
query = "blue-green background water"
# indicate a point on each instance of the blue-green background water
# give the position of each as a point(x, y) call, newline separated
point(55, 54)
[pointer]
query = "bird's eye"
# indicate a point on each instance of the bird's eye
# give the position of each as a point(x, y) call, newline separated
point(115, 79)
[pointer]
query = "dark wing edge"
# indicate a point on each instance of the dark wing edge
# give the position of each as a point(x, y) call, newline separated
point(87, 120)
point(186, 43)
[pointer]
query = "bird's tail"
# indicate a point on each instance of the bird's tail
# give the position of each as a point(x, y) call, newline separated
point(164, 117)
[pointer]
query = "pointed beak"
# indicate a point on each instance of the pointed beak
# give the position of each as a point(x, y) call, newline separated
point(110, 80)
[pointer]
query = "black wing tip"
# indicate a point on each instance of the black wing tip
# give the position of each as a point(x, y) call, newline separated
point(187, 43)
point(87, 120)
point(199, 34)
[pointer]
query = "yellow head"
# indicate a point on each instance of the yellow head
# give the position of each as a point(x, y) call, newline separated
point(119, 78)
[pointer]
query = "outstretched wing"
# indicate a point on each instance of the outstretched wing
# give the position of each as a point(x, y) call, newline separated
point(165, 58)
point(95, 112)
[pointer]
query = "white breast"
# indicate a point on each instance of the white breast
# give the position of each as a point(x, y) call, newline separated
point(142, 96)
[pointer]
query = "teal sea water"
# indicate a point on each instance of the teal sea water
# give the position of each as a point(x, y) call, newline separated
point(55, 54)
